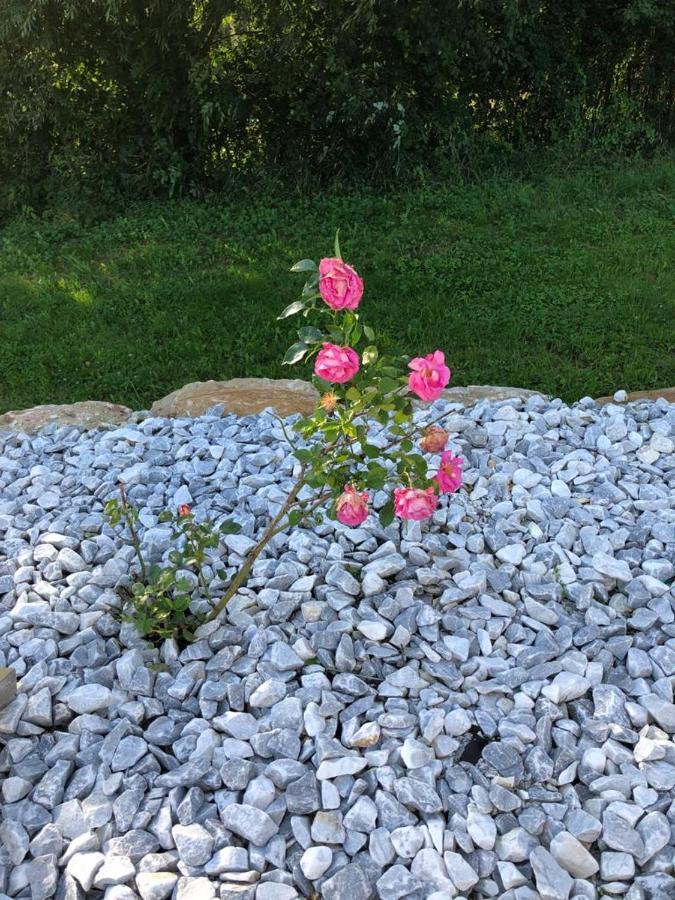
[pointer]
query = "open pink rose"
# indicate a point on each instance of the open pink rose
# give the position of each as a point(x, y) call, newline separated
point(414, 503)
point(339, 285)
point(434, 439)
point(336, 364)
point(449, 475)
point(429, 375)
point(352, 507)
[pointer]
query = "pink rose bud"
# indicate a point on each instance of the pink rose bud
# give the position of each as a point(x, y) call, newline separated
point(434, 439)
point(184, 510)
point(352, 507)
point(336, 364)
point(429, 375)
point(449, 475)
point(339, 285)
point(415, 503)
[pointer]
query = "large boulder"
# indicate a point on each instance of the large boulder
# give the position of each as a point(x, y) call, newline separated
point(474, 393)
point(242, 396)
point(87, 414)
point(667, 393)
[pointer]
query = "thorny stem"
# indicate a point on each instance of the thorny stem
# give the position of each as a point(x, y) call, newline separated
point(271, 530)
point(286, 434)
point(198, 563)
point(135, 541)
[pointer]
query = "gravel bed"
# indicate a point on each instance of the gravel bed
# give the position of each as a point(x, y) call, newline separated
point(480, 707)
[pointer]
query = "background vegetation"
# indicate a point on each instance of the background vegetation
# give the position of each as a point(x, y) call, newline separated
point(501, 170)
point(562, 282)
point(162, 97)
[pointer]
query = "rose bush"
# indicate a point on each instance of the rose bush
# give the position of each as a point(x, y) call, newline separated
point(342, 464)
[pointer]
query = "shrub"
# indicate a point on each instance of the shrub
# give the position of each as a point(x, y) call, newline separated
point(158, 98)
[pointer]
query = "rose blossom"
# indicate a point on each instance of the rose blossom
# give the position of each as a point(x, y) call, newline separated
point(414, 503)
point(352, 507)
point(339, 285)
point(434, 439)
point(429, 375)
point(184, 510)
point(336, 364)
point(449, 475)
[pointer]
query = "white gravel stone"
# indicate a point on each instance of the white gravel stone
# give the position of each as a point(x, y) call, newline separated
point(89, 698)
point(156, 885)
point(573, 856)
point(315, 861)
point(566, 686)
point(512, 553)
point(477, 705)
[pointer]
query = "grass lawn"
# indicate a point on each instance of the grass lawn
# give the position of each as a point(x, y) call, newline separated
point(563, 283)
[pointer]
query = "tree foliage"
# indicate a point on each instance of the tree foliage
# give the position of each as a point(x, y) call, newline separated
point(165, 96)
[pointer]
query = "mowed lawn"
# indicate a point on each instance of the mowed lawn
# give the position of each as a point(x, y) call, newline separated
point(565, 283)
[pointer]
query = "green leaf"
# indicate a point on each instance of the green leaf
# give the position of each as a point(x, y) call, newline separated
point(371, 451)
point(305, 265)
point(369, 332)
point(406, 446)
point(230, 527)
point(337, 244)
point(292, 309)
point(387, 513)
point(295, 353)
point(369, 356)
point(309, 335)
point(353, 393)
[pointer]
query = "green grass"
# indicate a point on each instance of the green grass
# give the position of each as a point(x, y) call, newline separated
point(565, 283)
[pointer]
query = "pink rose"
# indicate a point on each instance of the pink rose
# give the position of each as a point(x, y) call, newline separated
point(336, 364)
point(414, 503)
point(434, 439)
point(429, 375)
point(339, 285)
point(449, 475)
point(352, 507)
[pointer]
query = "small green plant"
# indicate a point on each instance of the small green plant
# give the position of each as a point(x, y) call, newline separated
point(160, 598)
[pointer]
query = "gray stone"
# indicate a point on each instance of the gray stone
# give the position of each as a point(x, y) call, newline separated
point(348, 883)
point(194, 844)
point(616, 866)
point(129, 751)
point(553, 882)
point(397, 882)
point(252, 824)
point(89, 698)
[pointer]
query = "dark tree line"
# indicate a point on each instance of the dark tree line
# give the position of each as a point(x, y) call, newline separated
point(166, 96)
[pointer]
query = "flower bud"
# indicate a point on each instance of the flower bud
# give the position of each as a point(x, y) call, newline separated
point(352, 507)
point(434, 439)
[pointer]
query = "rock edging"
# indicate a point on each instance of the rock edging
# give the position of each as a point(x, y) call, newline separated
point(248, 396)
